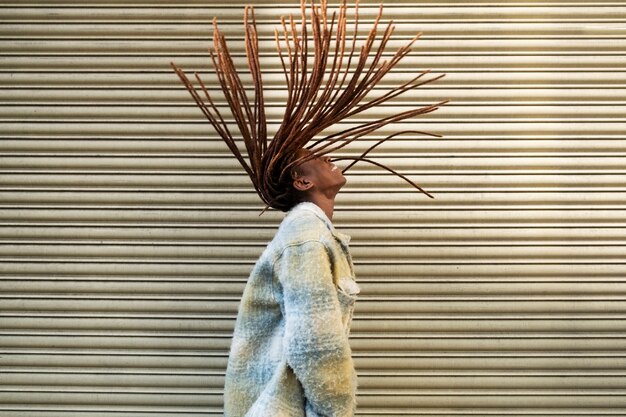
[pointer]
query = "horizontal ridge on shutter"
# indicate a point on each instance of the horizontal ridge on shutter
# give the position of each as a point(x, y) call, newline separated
point(127, 231)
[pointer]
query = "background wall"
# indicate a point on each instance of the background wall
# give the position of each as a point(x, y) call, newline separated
point(127, 231)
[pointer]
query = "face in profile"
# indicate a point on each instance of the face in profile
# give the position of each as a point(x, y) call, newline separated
point(319, 175)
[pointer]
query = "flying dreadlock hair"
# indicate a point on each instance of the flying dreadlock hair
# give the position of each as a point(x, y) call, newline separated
point(319, 95)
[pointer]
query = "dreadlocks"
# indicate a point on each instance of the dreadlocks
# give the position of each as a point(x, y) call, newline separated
point(320, 94)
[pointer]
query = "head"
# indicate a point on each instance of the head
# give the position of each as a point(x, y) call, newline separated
point(313, 179)
point(317, 177)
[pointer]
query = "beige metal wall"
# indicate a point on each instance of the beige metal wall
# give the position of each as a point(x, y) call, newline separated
point(127, 233)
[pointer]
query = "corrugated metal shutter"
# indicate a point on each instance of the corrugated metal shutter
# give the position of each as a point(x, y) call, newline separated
point(127, 232)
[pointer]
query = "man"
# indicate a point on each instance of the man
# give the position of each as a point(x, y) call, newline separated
point(290, 354)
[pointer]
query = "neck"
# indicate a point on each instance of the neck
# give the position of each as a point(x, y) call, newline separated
point(325, 203)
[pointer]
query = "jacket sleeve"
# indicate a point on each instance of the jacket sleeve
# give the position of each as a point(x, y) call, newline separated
point(315, 341)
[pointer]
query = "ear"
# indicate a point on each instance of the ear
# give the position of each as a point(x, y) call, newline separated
point(302, 184)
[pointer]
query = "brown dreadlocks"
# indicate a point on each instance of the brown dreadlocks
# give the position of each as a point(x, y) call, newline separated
point(320, 94)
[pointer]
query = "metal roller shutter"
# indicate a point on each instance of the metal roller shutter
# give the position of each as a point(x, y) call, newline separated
point(127, 233)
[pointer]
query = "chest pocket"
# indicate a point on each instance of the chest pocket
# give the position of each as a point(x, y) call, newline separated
point(347, 292)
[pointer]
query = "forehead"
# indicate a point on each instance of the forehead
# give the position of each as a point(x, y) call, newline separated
point(308, 165)
point(305, 153)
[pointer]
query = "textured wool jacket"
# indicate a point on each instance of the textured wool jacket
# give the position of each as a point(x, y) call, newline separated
point(290, 355)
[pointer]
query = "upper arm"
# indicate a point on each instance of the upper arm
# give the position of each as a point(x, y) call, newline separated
point(315, 342)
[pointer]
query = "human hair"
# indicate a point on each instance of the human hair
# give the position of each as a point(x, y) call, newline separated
point(320, 95)
point(278, 183)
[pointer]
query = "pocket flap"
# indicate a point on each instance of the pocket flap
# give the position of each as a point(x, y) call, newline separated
point(349, 286)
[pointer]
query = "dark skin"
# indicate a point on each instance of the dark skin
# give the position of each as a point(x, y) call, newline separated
point(319, 180)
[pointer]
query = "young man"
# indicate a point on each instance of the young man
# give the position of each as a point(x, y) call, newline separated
point(290, 354)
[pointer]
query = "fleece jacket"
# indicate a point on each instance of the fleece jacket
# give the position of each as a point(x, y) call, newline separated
point(290, 355)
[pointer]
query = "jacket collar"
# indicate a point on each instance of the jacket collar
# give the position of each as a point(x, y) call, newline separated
point(315, 209)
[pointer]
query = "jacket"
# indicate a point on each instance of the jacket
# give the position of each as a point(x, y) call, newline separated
point(290, 355)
